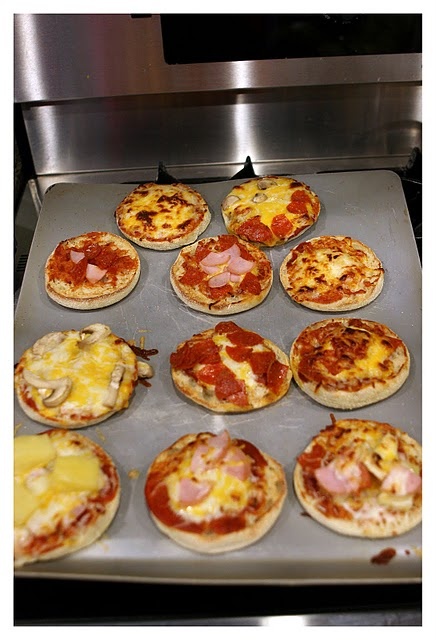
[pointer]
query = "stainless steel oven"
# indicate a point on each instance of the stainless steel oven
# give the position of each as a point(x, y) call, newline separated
point(113, 99)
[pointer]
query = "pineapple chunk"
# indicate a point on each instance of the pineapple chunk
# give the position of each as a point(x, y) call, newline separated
point(31, 452)
point(25, 503)
point(387, 448)
point(76, 473)
point(395, 501)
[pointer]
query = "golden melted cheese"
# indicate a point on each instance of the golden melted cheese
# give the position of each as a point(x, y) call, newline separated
point(90, 368)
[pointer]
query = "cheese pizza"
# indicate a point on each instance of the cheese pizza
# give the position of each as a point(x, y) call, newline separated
point(229, 369)
point(212, 494)
point(349, 362)
point(332, 273)
point(163, 216)
point(361, 478)
point(76, 378)
point(221, 275)
point(91, 271)
point(66, 494)
point(271, 210)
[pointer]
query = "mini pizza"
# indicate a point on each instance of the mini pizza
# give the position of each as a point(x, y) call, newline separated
point(212, 494)
point(221, 275)
point(271, 210)
point(361, 478)
point(332, 273)
point(349, 362)
point(229, 369)
point(77, 378)
point(66, 494)
point(163, 216)
point(91, 271)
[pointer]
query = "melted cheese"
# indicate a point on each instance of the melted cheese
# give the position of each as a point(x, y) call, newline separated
point(228, 494)
point(90, 369)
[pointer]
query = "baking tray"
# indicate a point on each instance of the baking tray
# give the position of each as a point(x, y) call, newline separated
point(369, 206)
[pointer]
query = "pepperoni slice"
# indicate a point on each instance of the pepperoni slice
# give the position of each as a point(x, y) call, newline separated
point(255, 230)
point(299, 202)
point(209, 373)
point(276, 373)
point(281, 226)
point(195, 352)
point(250, 284)
point(229, 388)
point(239, 353)
point(261, 361)
point(192, 275)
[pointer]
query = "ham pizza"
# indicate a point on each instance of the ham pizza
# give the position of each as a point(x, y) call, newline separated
point(361, 478)
point(230, 369)
point(163, 216)
point(348, 363)
point(271, 210)
point(77, 378)
point(221, 275)
point(91, 271)
point(66, 494)
point(332, 273)
point(213, 493)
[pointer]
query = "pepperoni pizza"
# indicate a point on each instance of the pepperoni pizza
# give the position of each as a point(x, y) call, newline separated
point(271, 210)
point(212, 494)
point(230, 369)
point(221, 275)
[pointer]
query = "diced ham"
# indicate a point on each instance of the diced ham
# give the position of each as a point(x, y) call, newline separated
point(342, 476)
point(237, 464)
point(212, 269)
point(220, 443)
point(234, 251)
point(94, 273)
point(240, 265)
point(198, 462)
point(219, 280)
point(234, 277)
point(76, 256)
point(214, 258)
point(193, 492)
point(401, 481)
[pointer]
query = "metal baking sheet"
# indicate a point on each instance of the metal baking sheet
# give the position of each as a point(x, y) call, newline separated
point(369, 206)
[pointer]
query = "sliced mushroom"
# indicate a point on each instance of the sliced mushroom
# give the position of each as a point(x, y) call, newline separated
point(259, 197)
point(229, 201)
point(145, 370)
point(93, 333)
point(114, 385)
point(264, 183)
point(61, 387)
point(47, 342)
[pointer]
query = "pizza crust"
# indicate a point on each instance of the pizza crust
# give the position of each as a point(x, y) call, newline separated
point(69, 533)
point(120, 279)
point(270, 210)
point(101, 382)
point(234, 298)
point(204, 394)
point(163, 217)
point(332, 273)
point(345, 381)
point(269, 486)
point(363, 513)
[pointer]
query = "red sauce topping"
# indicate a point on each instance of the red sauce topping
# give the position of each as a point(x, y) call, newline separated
point(384, 556)
point(157, 499)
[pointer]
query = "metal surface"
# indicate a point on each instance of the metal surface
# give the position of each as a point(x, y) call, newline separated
point(297, 551)
point(62, 57)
